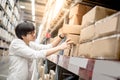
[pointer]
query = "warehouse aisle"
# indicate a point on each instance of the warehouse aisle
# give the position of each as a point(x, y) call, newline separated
point(4, 67)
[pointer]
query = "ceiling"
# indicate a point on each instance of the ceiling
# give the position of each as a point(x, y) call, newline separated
point(26, 12)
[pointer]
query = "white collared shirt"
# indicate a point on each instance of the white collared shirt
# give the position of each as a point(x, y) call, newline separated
point(20, 54)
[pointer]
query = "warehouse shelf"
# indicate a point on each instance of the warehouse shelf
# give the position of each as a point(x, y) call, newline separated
point(74, 64)
point(87, 69)
point(4, 11)
point(92, 3)
point(1, 38)
point(12, 12)
point(113, 4)
point(3, 48)
point(4, 27)
point(57, 26)
point(5, 40)
point(8, 20)
point(1, 8)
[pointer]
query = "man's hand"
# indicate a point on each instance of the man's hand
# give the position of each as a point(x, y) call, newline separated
point(66, 44)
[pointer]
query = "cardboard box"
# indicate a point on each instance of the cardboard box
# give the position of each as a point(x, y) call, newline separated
point(74, 50)
point(72, 29)
point(66, 3)
point(108, 26)
point(87, 34)
point(60, 31)
point(79, 9)
point(74, 38)
point(106, 48)
point(96, 14)
point(85, 49)
point(67, 52)
point(77, 12)
point(75, 20)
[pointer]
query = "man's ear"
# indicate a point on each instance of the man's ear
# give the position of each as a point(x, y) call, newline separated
point(23, 36)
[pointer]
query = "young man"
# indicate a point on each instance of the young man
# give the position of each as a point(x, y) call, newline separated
point(23, 49)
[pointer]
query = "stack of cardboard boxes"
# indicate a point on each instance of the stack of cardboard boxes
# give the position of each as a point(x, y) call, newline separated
point(95, 32)
point(72, 28)
point(98, 38)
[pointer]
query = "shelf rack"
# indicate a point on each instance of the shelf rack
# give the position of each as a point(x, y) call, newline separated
point(87, 69)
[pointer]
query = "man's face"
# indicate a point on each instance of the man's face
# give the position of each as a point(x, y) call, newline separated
point(29, 37)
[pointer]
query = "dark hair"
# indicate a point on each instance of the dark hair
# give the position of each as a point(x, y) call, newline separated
point(23, 28)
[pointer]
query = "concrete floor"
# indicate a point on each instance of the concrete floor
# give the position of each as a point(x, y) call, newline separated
point(4, 67)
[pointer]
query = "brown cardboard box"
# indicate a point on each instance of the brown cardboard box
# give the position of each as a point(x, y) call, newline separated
point(79, 9)
point(66, 3)
point(87, 34)
point(74, 50)
point(74, 38)
point(60, 31)
point(75, 20)
point(96, 14)
point(85, 49)
point(67, 52)
point(108, 26)
point(77, 12)
point(72, 29)
point(106, 48)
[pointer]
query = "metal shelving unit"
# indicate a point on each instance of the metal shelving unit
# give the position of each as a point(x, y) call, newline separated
point(7, 25)
point(87, 69)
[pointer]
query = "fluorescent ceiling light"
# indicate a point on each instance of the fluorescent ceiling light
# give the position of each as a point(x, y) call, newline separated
point(33, 9)
point(23, 7)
